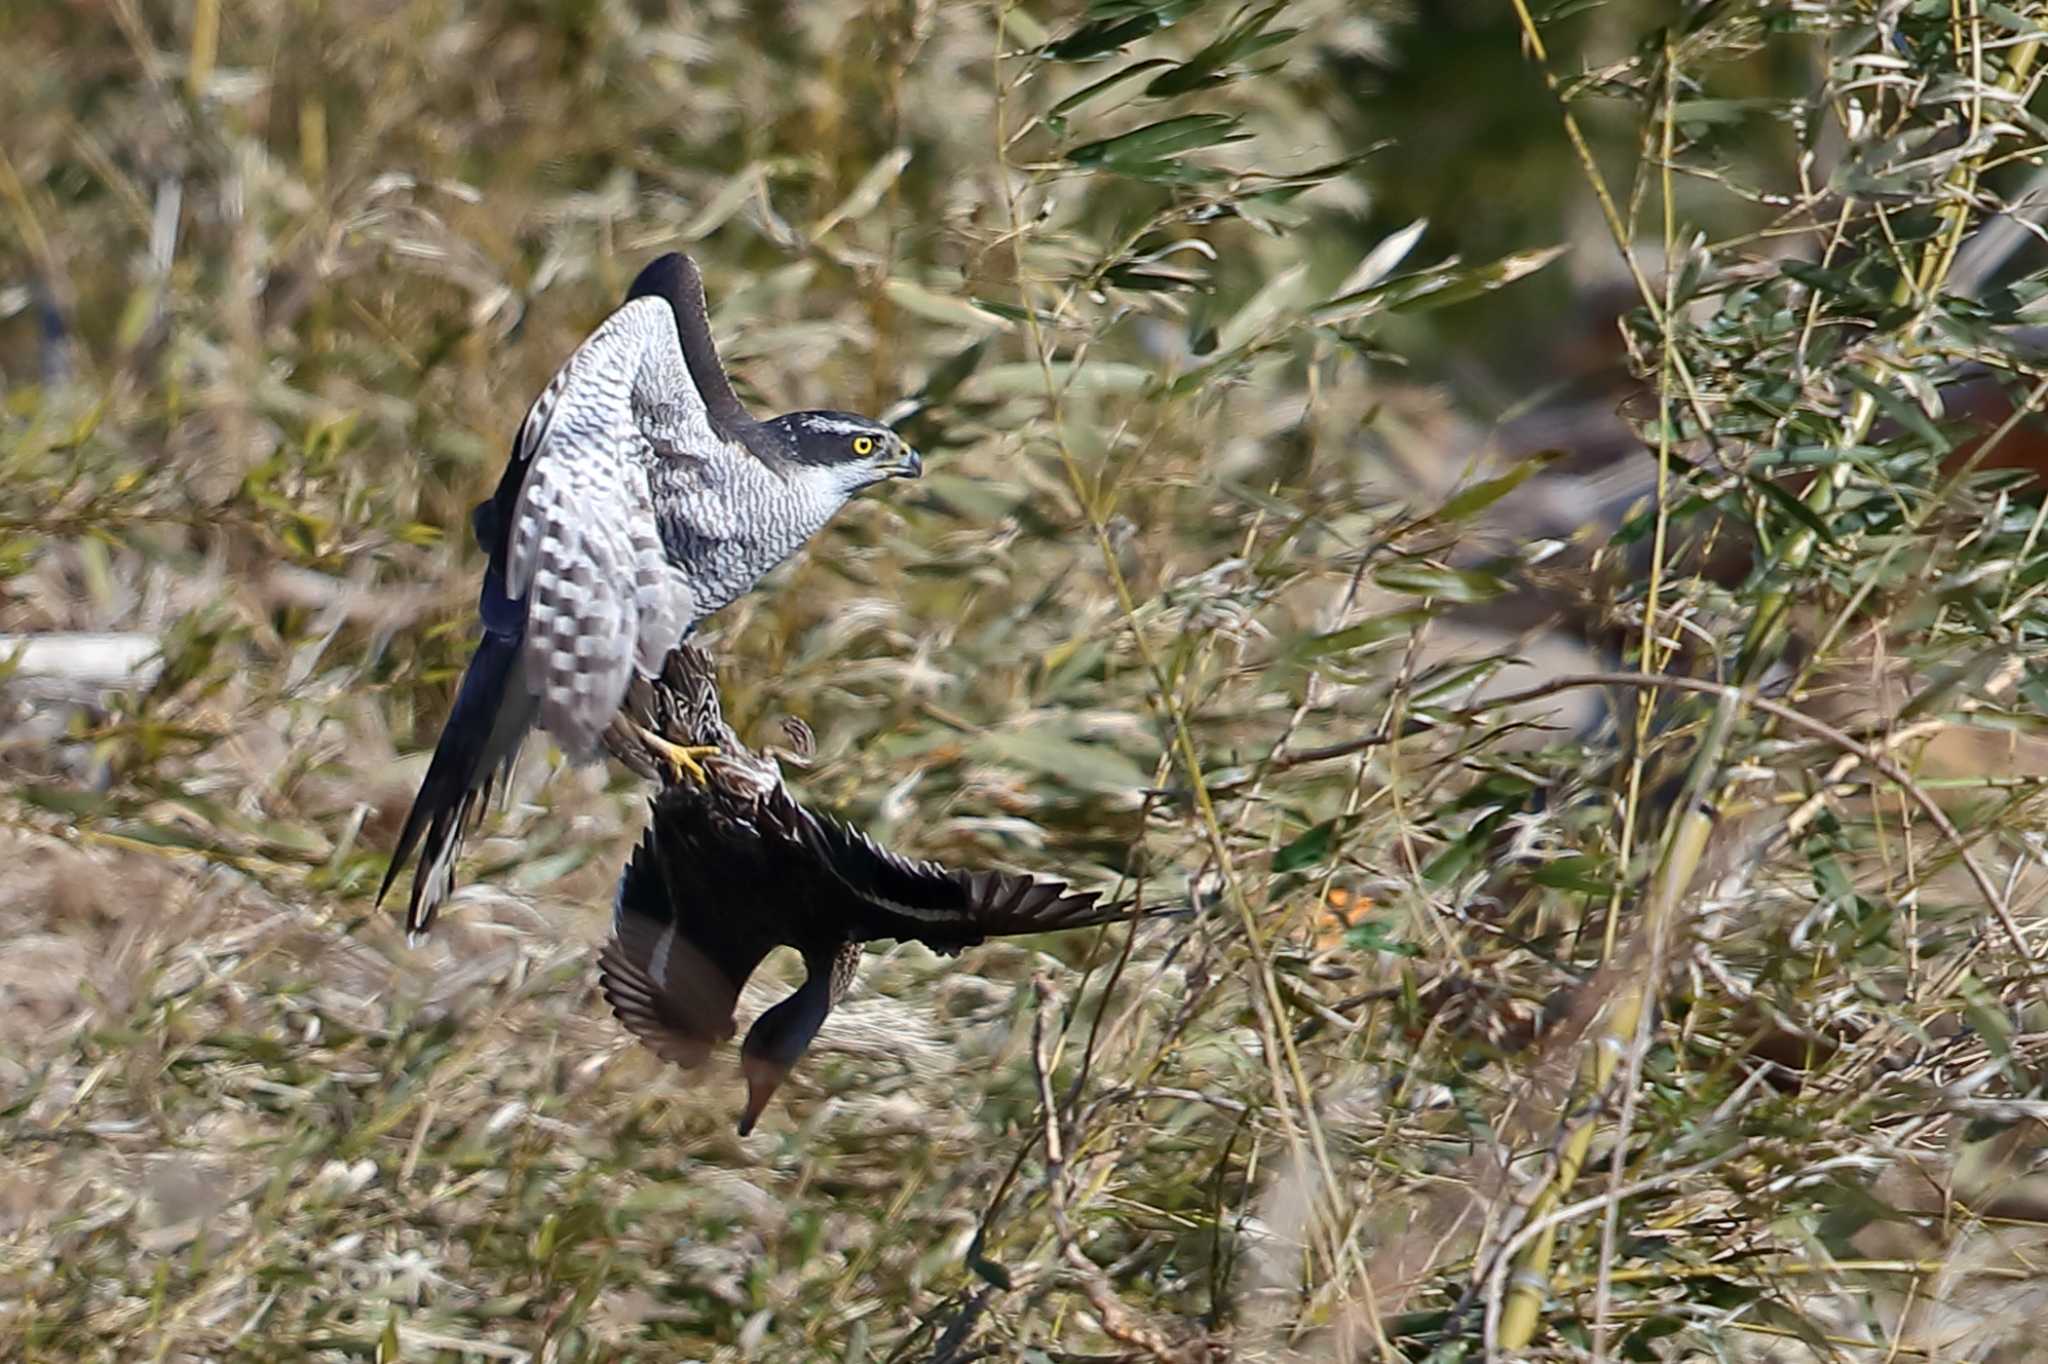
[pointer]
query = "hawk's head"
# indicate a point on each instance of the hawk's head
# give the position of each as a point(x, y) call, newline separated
point(850, 449)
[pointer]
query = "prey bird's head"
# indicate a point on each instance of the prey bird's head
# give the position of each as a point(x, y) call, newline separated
point(850, 450)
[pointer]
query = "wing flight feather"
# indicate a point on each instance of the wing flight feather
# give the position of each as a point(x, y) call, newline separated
point(946, 909)
point(585, 549)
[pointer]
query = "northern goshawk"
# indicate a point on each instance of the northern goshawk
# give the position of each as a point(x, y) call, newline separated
point(640, 497)
point(732, 868)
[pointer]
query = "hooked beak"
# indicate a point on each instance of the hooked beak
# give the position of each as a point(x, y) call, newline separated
point(908, 465)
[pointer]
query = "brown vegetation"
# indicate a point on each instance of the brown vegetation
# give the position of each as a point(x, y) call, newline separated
point(1592, 953)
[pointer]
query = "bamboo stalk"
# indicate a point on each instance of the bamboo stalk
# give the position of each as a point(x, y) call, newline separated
point(205, 47)
point(1522, 1310)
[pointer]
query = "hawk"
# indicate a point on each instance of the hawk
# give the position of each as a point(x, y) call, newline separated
point(640, 497)
point(730, 869)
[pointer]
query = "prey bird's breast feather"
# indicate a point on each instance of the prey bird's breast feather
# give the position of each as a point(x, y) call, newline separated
point(585, 551)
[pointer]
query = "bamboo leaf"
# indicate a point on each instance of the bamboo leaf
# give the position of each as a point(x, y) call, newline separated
point(1057, 115)
point(1153, 143)
point(1239, 41)
point(1437, 287)
point(1377, 630)
point(1309, 849)
point(1462, 585)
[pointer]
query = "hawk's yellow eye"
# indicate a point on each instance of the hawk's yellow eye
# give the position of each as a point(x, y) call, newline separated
point(863, 445)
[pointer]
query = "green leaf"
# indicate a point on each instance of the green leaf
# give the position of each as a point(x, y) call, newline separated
point(1027, 377)
point(1834, 284)
point(1056, 116)
point(1114, 32)
point(1308, 850)
point(166, 836)
point(951, 373)
point(18, 552)
point(2013, 21)
point(66, 800)
point(1464, 853)
point(1784, 501)
point(1157, 272)
point(1436, 287)
point(1013, 313)
point(542, 871)
point(945, 309)
point(1375, 935)
point(1575, 871)
point(1462, 585)
point(1149, 145)
point(1375, 630)
point(1477, 498)
point(1093, 41)
point(1243, 39)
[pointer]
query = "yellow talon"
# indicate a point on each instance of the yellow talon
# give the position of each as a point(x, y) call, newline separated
point(680, 759)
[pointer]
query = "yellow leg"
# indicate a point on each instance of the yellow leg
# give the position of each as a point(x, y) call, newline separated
point(681, 760)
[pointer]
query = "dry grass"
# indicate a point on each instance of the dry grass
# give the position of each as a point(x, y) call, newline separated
point(1197, 602)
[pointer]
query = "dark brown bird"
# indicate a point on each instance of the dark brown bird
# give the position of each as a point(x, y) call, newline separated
point(729, 871)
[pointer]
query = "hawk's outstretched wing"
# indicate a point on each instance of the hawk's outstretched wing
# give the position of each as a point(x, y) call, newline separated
point(583, 547)
point(675, 278)
point(578, 592)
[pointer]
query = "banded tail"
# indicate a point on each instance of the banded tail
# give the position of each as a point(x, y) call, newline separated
point(478, 745)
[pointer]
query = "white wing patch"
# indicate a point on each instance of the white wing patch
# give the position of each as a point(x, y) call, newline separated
point(585, 548)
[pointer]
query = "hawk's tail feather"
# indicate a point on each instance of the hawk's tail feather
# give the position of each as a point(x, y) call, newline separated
point(469, 760)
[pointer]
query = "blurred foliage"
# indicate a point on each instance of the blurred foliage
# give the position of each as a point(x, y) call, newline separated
point(1262, 356)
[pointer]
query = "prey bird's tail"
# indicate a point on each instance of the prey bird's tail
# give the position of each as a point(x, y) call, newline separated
point(478, 744)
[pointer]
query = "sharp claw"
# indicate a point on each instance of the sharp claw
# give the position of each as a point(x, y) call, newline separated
point(680, 760)
point(685, 760)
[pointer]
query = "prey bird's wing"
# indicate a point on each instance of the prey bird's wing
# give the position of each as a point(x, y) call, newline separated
point(892, 896)
point(582, 546)
point(679, 954)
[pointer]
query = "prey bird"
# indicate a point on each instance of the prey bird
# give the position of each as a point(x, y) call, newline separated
point(733, 868)
point(640, 497)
